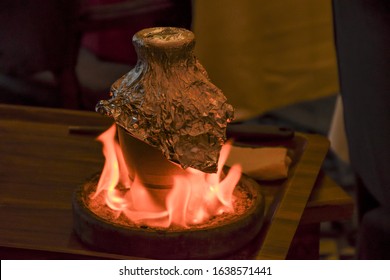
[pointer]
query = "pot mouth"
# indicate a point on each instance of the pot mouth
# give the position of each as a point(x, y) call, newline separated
point(165, 37)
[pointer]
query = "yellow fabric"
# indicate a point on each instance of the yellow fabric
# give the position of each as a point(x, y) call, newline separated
point(266, 54)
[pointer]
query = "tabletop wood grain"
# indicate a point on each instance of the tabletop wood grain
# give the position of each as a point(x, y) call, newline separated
point(41, 164)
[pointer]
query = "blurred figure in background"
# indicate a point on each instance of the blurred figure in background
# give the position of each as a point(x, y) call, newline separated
point(362, 29)
point(41, 41)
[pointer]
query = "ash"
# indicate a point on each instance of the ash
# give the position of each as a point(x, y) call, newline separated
point(243, 201)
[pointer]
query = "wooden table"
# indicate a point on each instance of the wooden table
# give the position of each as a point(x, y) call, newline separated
point(41, 164)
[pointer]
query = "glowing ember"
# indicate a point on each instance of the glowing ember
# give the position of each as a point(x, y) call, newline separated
point(194, 197)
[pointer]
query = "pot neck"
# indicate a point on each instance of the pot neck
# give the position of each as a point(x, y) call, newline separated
point(162, 44)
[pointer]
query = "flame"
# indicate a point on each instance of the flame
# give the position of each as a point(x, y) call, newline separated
point(194, 198)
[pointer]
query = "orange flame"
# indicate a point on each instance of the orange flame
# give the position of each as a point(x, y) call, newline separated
point(194, 198)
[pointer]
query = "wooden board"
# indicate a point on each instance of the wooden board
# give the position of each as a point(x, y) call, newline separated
point(41, 164)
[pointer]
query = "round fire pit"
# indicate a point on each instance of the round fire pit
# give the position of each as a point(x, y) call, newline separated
point(217, 238)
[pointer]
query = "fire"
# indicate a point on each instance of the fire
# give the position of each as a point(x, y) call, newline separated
point(194, 197)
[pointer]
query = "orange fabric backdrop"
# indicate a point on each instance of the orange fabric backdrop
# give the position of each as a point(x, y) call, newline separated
point(267, 54)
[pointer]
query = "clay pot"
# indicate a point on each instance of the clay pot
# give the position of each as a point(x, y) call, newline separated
point(168, 102)
point(153, 169)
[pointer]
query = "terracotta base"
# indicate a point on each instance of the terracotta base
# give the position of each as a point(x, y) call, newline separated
point(214, 240)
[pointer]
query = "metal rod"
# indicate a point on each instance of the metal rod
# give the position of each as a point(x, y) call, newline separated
point(86, 130)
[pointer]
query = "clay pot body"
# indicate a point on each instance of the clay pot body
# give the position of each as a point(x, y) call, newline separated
point(153, 169)
point(168, 102)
